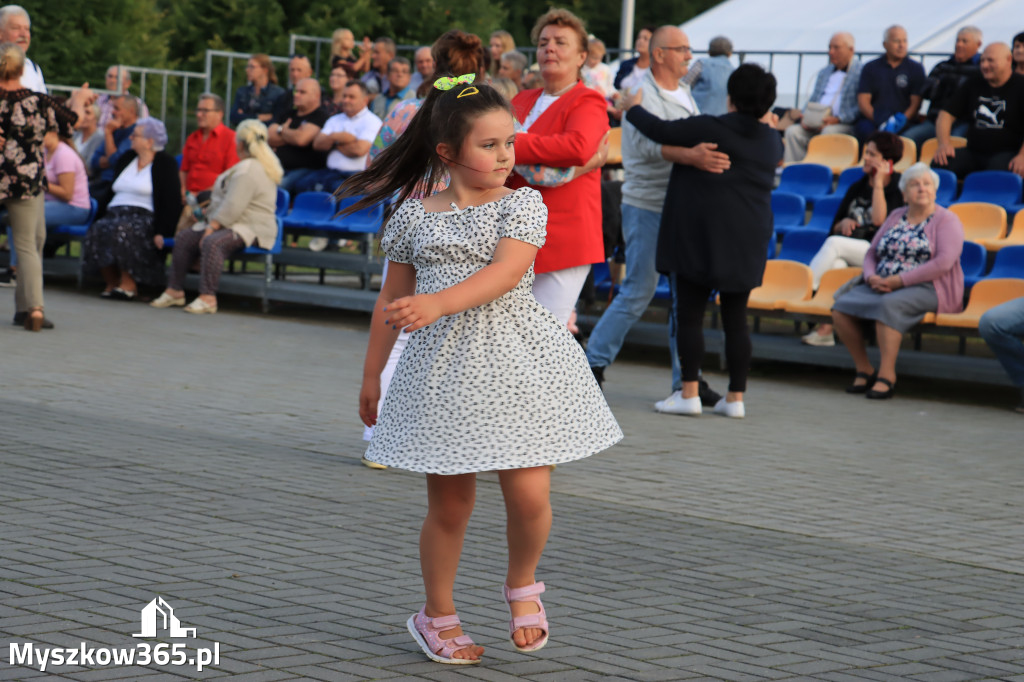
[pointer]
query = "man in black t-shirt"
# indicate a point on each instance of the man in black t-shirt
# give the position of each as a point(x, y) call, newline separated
point(293, 134)
point(993, 104)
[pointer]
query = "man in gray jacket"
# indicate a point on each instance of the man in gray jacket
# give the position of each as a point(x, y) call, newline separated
point(647, 166)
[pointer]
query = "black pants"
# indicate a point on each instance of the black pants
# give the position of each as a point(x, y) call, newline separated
point(691, 302)
point(966, 162)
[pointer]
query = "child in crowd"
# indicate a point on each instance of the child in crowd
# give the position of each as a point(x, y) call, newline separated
point(489, 379)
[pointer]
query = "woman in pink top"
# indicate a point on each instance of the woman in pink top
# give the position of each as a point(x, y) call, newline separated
point(67, 197)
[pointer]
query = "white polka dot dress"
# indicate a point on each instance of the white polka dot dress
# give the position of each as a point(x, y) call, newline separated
point(500, 386)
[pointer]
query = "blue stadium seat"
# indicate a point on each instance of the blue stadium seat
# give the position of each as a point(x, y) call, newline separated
point(801, 245)
point(972, 261)
point(310, 210)
point(283, 199)
point(773, 244)
point(809, 180)
point(80, 229)
point(1001, 188)
point(824, 214)
point(364, 220)
point(788, 210)
point(1009, 263)
point(946, 193)
point(846, 179)
point(663, 291)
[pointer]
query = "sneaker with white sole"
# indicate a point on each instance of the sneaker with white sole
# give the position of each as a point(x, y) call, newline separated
point(734, 410)
point(677, 404)
point(813, 338)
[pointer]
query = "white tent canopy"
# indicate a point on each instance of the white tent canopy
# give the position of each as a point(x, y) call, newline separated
point(757, 27)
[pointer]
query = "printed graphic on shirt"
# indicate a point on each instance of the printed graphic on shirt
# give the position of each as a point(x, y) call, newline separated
point(902, 81)
point(991, 112)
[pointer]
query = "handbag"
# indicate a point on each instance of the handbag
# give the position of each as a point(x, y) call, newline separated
point(814, 115)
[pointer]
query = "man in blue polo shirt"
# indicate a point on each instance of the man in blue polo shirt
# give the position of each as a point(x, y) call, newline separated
point(890, 88)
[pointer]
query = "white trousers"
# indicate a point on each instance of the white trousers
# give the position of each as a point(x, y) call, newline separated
point(838, 252)
point(558, 291)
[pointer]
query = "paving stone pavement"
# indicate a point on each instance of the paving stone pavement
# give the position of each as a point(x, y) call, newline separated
point(214, 461)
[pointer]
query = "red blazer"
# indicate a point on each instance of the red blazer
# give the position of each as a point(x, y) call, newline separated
point(567, 134)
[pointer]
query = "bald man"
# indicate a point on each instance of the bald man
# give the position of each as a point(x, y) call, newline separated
point(835, 87)
point(647, 167)
point(292, 136)
point(993, 104)
point(943, 82)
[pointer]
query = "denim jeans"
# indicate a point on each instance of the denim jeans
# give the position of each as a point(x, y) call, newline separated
point(922, 132)
point(63, 213)
point(294, 178)
point(640, 233)
point(1002, 328)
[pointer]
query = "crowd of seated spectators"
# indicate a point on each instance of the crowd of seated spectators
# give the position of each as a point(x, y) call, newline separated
point(322, 133)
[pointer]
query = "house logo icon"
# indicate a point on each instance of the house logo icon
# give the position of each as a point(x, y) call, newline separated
point(159, 611)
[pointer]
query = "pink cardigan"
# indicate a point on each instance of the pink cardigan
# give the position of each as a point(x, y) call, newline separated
point(945, 232)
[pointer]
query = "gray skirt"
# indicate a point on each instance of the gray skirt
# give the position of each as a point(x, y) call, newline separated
point(902, 309)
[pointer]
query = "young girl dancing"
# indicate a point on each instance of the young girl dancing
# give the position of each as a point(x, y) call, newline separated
point(489, 379)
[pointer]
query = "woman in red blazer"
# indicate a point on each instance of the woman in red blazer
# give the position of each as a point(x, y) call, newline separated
point(565, 123)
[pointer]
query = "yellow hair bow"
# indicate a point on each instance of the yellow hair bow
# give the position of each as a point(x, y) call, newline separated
point(449, 82)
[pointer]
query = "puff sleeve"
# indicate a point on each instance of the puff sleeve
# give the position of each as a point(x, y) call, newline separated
point(527, 219)
point(396, 242)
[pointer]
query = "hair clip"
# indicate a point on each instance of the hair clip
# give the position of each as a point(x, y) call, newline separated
point(471, 90)
point(449, 82)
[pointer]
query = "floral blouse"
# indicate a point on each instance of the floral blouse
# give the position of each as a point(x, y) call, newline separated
point(25, 117)
point(903, 248)
point(398, 120)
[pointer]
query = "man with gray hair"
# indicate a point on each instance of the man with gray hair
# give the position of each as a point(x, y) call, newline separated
point(835, 87)
point(116, 141)
point(943, 82)
point(381, 54)
point(889, 94)
point(647, 168)
point(512, 66)
point(16, 27)
point(398, 89)
point(708, 77)
point(424, 62)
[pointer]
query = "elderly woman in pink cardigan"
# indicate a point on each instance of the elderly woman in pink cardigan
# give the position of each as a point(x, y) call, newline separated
point(912, 268)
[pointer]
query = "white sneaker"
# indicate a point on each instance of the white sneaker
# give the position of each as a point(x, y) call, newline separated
point(727, 409)
point(813, 338)
point(200, 307)
point(677, 404)
point(318, 243)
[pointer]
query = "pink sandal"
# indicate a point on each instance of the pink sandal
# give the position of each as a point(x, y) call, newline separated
point(537, 620)
point(426, 631)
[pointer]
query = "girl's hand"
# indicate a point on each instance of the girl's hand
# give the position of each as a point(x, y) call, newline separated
point(369, 398)
point(413, 312)
point(159, 241)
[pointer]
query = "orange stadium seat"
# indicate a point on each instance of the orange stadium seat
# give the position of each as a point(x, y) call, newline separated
point(821, 303)
point(1015, 238)
point(932, 144)
point(784, 281)
point(614, 147)
point(909, 155)
point(981, 221)
point(986, 294)
point(838, 152)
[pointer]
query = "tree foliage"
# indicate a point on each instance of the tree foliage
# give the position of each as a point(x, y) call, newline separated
point(76, 42)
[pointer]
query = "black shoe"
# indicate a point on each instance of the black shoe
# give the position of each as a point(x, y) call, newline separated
point(19, 321)
point(882, 395)
point(869, 381)
point(119, 294)
point(8, 278)
point(708, 396)
point(599, 376)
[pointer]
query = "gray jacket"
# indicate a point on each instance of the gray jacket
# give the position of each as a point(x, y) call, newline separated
point(244, 200)
point(646, 172)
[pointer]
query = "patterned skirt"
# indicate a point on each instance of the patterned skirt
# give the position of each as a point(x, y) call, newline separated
point(124, 239)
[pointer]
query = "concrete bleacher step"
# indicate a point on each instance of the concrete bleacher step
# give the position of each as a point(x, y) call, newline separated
point(790, 349)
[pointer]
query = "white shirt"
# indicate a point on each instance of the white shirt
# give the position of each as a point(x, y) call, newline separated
point(539, 107)
point(365, 125)
point(831, 94)
point(134, 187)
point(683, 97)
point(32, 77)
point(634, 79)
